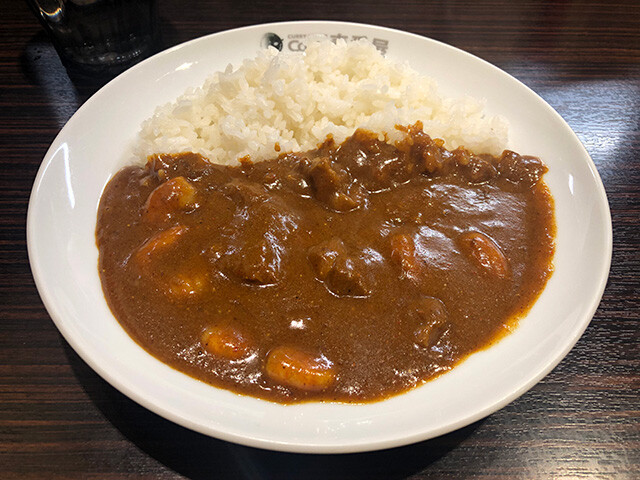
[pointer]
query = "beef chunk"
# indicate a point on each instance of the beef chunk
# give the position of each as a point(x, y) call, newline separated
point(342, 274)
point(521, 169)
point(377, 165)
point(257, 246)
point(334, 186)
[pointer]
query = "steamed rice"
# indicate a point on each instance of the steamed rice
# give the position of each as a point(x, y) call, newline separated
point(284, 102)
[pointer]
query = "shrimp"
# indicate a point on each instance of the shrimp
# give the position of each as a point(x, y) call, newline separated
point(298, 369)
point(172, 195)
point(485, 252)
point(227, 342)
point(158, 243)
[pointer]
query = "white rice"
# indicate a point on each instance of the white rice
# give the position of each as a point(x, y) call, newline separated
point(296, 100)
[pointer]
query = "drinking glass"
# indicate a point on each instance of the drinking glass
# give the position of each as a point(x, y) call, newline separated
point(99, 36)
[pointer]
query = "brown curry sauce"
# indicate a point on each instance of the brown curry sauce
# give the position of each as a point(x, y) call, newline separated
point(351, 273)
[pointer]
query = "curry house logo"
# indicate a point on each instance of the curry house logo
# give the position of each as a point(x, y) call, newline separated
point(297, 42)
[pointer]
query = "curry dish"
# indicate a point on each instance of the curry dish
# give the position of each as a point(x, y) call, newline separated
point(351, 272)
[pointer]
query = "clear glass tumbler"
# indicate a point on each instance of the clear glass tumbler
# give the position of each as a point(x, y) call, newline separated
point(100, 36)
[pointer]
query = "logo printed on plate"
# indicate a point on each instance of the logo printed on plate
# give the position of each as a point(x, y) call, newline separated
point(296, 42)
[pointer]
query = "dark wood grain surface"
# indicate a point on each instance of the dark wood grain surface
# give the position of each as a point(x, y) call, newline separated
point(58, 419)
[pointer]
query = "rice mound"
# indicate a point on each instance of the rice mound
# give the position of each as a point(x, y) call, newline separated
point(291, 101)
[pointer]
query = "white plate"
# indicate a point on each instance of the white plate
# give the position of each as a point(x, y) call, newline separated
point(94, 144)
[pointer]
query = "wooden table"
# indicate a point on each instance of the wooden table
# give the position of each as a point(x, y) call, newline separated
point(58, 419)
